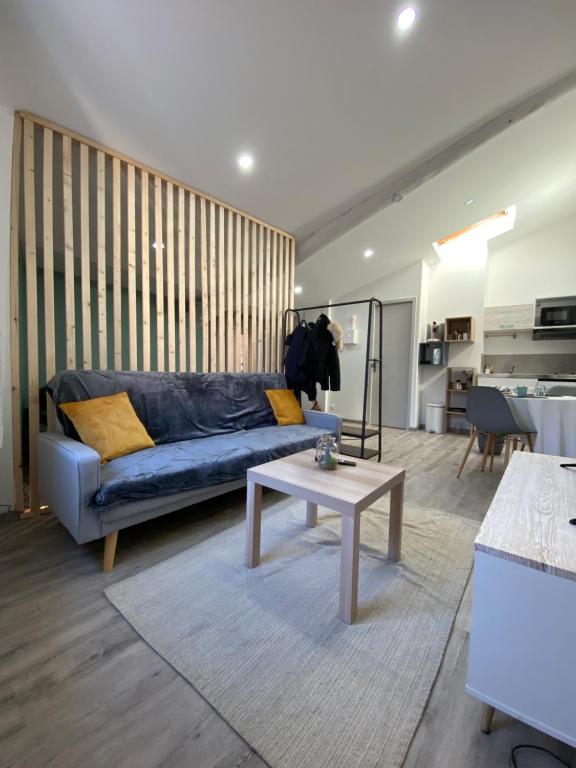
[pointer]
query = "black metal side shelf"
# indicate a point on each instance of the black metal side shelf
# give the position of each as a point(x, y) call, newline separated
point(361, 432)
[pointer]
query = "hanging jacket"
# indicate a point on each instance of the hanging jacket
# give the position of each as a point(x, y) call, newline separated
point(320, 359)
point(297, 379)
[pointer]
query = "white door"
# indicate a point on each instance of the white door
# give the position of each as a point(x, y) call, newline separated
point(397, 335)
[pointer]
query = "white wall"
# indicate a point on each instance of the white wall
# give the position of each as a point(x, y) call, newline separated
point(403, 284)
point(6, 482)
point(541, 264)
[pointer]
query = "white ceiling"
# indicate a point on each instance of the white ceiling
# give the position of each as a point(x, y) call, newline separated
point(328, 97)
point(533, 164)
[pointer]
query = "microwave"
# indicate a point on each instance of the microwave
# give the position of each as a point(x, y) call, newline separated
point(555, 318)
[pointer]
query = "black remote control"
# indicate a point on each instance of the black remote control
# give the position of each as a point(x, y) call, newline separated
point(346, 463)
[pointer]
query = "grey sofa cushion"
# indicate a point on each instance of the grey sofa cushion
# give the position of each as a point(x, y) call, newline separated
point(176, 406)
point(191, 464)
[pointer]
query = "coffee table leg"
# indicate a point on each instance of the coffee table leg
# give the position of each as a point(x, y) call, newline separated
point(349, 568)
point(311, 514)
point(253, 521)
point(395, 527)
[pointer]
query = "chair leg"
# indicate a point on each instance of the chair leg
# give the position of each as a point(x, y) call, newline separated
point(530, 442)
point(514, 444)
point(492, 449)
point(507, 451)
point(487, 445)
point(468, 449)
point(109, 551)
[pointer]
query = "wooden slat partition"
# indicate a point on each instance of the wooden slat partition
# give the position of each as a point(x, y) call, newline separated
point(192, 282)
point(221, 302)
point(145, 268)
point(101, 246)
point(131, 221)
point(69, 279)
point(31, 307)
point(159, 263)
point(117, 259)
point(48, 266)
point(170, 280)
point(156, 256)
point(85, 259)
point(229, 292)
point(182, 363)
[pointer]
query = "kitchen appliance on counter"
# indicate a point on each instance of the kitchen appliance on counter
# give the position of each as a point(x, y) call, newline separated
point(555, 318)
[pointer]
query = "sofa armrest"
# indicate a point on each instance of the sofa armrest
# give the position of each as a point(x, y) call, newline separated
point(68, 476)
point(328, 421)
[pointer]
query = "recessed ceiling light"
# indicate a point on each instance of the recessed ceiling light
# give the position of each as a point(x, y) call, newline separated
point(297, 289)
point(155, 245)
point(368, 252)
point(406, 18)
point(245, 162)
point(469, 202)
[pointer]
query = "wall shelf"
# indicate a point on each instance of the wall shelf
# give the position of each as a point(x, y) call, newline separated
point(456, 327)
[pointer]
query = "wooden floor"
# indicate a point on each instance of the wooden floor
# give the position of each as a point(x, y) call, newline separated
point(79, 688)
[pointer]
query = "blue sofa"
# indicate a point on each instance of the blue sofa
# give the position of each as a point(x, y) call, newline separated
point(208, 429)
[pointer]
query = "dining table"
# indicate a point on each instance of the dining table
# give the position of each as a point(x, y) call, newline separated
point(552, 419)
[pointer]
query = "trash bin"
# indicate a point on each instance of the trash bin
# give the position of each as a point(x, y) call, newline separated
point(434, 417)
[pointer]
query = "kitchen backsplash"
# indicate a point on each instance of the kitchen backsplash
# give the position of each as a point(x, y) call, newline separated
point(537, 364)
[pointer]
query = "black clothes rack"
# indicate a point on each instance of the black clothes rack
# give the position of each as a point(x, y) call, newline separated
point(361, 432)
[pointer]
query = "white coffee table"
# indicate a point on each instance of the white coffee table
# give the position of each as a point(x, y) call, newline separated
point(347, 490)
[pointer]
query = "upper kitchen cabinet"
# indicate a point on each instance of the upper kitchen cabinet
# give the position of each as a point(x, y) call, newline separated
point(508, 320)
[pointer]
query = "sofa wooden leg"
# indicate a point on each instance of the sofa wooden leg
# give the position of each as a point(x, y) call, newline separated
point(487, 717)
point(109, 551)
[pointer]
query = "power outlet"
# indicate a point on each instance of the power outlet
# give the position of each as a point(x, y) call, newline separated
point(331, 406)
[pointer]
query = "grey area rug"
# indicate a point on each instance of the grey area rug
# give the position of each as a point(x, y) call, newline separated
point(266, 648)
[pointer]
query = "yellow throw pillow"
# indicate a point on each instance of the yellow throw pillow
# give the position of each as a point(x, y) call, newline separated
point(285, 406)
point(109, 425)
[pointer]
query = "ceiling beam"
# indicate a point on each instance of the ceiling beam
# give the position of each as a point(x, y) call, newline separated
point(394, 189)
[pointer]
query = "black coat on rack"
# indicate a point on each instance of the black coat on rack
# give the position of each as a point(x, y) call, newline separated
point(320, 360)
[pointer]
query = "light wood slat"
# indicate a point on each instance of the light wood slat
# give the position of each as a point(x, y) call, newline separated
point(159, 264)
point(48, 269)
point(181, 284)
point(260, 327)
point(133, 161)
point(170, 277)
point(274, 305)
point(230, 293)
point(31, 311)
point(85, 259)
point(267, 305)
point(192, 283)
point(117, 263)
point(287, 303)
point(212, 291)
point(292, 271)
point(145, 268)
point(221, 311)
point(204, 285)
point(131, 223)
point(254, 301)
point(68, 254)
point(245, 296)
point(101, 245)
point(238, 295)
point(280, 302)
point(15, 316)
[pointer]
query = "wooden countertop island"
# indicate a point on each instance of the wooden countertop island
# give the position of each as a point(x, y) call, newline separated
point(523, 636)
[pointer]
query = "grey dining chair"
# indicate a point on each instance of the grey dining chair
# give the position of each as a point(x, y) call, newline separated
point(490, 415)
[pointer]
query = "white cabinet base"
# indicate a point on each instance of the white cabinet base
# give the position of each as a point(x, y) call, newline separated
point(523, 644)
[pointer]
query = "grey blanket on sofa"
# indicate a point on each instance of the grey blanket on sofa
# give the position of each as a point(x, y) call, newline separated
point(208, 429)
point(175, 406)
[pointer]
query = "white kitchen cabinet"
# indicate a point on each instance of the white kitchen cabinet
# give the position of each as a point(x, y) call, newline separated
point(508, 319)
